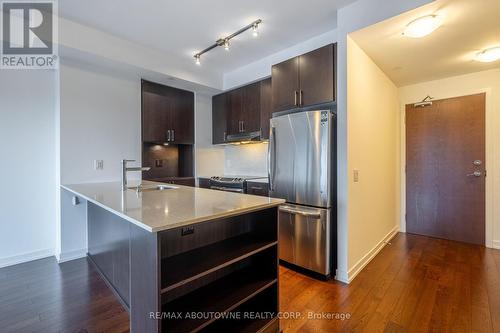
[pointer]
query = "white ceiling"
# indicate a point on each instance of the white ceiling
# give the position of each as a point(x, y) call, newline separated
point(469, 26)
point(180, 28)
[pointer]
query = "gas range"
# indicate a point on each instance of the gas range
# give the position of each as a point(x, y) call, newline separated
point(231, 183)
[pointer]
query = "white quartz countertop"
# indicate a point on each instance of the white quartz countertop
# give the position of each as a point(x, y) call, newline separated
point(162, 210)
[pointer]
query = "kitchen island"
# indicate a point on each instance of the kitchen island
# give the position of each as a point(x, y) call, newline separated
point(185, 259)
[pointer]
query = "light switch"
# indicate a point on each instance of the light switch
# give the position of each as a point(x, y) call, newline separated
point(356, 176)
point(98, 164)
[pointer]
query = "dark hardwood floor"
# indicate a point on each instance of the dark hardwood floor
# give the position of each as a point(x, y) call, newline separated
point(416, 284)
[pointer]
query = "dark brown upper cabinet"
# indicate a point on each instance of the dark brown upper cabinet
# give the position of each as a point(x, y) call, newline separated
point(286, 85)
point(219, 119)
point(305, 80)
point(250, 110)
point(265, 107)
point(167, 114)
point(242, 110)
point(234, 111)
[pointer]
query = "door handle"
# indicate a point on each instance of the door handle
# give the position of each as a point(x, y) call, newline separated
point(295, 98)
point(475, 174)
point(294, 211)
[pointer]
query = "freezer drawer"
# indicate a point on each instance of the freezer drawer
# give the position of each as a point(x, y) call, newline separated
point(304, 237)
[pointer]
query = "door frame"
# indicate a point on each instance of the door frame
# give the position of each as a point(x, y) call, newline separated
point(489, 117)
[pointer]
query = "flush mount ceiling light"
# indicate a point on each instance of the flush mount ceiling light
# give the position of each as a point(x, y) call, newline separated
point(489, 55)
point(422, 26)
point(225, 41)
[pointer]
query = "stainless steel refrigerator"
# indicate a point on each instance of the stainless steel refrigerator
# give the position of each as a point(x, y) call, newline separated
point(302, 164)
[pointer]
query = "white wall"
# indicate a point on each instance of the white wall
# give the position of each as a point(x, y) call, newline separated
point(100, 119)
point(84, 42)
point(246, 160)
point(373, 150)
point(209, 159)
point(27, 147)
point(350, 18)
point(488, 82)
point(262, 68)
point(252, 159)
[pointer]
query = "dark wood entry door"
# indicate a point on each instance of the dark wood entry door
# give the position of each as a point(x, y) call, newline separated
point(445, 169)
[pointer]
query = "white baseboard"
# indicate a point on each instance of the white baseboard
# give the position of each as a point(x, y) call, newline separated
point(25, 257)
point(347, 277)
point(342, 276)
point(71, 255)
point(495, 244)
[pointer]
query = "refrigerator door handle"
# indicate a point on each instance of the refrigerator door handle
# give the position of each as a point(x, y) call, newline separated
point(295, 211)
point(272, 158)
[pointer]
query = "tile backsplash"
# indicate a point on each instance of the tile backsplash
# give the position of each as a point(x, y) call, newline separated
point(248, 159)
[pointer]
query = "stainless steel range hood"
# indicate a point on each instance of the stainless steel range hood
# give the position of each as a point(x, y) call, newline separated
point(245, 136)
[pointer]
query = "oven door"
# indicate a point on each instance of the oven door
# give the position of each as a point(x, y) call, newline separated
point(304, 237)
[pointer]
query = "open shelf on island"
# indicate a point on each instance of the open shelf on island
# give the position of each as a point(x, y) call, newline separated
point(186, 267)
point(249, 278)
point(258, 314)
point(214, 267)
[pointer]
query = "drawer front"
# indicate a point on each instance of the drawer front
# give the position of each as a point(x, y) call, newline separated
point(204, 182)
point(304, 237)
point(261, 189)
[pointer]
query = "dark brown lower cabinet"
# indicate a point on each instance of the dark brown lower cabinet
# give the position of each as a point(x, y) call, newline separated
point(214, 276)
point(258, 188)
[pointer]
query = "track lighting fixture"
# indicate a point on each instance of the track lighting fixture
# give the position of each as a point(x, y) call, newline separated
point(225, 41)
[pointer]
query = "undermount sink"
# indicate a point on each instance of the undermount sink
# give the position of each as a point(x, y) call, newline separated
point(153, 188)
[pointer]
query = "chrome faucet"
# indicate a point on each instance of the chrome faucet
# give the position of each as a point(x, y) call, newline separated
point(126, 169)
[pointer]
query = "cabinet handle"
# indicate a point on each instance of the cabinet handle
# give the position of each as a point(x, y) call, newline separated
point(243, 126)
point(225, 136)
point(173, 135)
point(295, 98)
point(300, 97)
point(168, 135)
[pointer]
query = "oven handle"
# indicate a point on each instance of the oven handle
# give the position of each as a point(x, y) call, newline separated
point(228, 189)
point(291, 210)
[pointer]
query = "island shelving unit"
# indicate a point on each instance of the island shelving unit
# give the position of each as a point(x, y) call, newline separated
point(214, 275)
point(231, 264)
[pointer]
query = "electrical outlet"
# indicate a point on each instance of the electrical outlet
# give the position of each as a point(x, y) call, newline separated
point(98, 164)
point(356, 176)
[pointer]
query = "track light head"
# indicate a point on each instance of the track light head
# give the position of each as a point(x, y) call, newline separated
point(255, 29)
